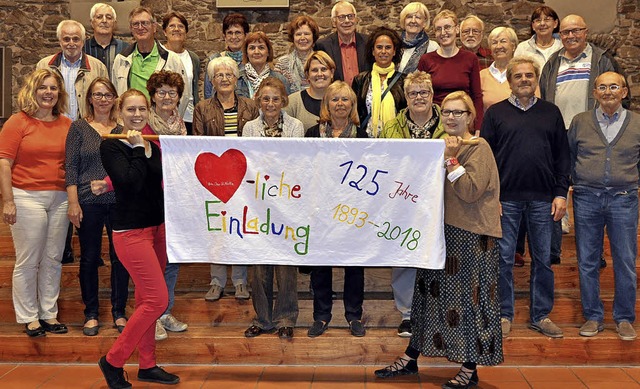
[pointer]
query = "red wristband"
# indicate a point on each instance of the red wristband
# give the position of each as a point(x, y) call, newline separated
point(450, 162)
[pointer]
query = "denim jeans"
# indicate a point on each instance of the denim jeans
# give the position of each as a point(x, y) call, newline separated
point(38, 237)
point(619, 213)
point(171, 278)
point(539, 225)
point(284, 313)
point(94, 218)
point(353, 296)
point(556, 240)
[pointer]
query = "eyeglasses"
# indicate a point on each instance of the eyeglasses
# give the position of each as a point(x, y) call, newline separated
point(234, 33)
point(270, 99)
point(545, 20)
point(456, 113)
point(471, 31)
point(612, 88)
point(423, 93)
point(144, 23)
point(100, 96)
point(344, 18)
point(224, 76)
point(163, 93)
point(574, 31)
point(176, 27)
point(447, 28)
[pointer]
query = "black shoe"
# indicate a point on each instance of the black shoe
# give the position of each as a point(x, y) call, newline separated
point(334, 295)
point(357, 329)
point(158, 375)
point(113, 375)
point(462, 380)
point(67, 257)
point(57, 328)
point(603, 263)
point(254, 331)
point(285, 332)
point(90, 331)
point(404, 329)
point(34, 333)
point(317, 328)
point(401, 366)
point(120, 328)
point(555, 260)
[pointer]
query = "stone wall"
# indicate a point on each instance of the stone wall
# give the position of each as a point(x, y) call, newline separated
point(28, 27)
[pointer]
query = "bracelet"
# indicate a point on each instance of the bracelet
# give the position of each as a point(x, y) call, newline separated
point(450, 162)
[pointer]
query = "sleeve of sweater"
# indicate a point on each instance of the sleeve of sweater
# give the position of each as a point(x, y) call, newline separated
point(476, 93)
point(561, 158)
point(72, 154)
point(128, 171)
point(572, 141)
point(479, 167)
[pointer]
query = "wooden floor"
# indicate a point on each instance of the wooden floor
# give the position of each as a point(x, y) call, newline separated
point(27, 376)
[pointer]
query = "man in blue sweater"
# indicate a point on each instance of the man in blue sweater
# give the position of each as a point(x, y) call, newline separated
point(604, 145)
point(529, 142)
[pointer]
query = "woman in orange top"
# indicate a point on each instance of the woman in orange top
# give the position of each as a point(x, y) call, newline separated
point(32, 144)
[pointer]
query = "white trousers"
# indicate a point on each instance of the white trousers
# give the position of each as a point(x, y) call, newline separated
point(38, 237)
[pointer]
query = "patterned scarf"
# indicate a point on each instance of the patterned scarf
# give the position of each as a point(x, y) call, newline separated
point(274, 131)
point(417, 41)
point(381, 111)
point(426, 131)
point(254, 78)
point(173, 126)
point(350, 131)
point(236, 55)
point(296, 70)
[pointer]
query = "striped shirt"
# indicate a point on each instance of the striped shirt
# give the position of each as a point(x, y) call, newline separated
point(572, 84)
point(231, 121)
point(106, 55)
point(69, 73)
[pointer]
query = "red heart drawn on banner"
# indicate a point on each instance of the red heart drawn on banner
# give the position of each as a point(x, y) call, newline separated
point(221, 175)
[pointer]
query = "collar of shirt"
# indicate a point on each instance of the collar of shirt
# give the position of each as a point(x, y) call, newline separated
point(497, 74)
point(94, 43)
point(606, 119)
point(513, 100)
point(585, 53)
point(68, 63)
point(153, 53)
point(352, 43)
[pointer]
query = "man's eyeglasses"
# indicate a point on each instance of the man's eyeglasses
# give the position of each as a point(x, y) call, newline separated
point(574, 31)
point(470, 31)
point(144, 23)
point(344, 18)
point(456, 113)
point(423, 93)
point(612, 88)
point(447, 28)
point(163, 93)
point(100, 96)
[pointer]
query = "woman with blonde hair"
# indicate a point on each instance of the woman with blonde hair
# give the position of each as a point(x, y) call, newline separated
point(305, 104)
point(415, 22)
point(456, 310)
point(34, 200)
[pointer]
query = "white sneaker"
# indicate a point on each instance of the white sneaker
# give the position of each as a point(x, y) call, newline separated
point(161, 334)
point(170, 323)
point(214, 293)
point(241, 292)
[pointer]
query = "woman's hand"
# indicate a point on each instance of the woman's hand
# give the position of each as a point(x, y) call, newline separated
point(74, 213)
point(9, 212)
point(135, 137)
point(99, 187)
point(452, 146)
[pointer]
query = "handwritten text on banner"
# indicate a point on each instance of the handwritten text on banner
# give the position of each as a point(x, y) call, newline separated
point(304, 201)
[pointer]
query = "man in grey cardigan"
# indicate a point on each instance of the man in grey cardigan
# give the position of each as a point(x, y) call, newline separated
point(604, 144)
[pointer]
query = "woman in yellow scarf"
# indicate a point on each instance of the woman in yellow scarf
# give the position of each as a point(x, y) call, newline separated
point(384, 51)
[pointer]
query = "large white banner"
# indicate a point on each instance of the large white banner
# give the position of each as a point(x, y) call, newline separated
point(303, 201)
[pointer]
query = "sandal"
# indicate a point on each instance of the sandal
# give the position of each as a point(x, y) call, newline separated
point(401, 366)
point(464, 379)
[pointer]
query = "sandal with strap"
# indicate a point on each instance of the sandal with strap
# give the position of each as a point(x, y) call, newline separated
point(401, 366)
point(464, 379)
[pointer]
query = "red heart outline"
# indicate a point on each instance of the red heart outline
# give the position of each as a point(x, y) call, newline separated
point(221, 175)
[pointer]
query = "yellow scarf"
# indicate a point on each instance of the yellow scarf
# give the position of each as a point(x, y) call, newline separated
point(385, 111)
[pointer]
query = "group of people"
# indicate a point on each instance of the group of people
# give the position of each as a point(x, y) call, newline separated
point(550, 112)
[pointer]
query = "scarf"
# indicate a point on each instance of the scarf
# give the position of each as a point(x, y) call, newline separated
point(417, 41)
point(174, 126)
point(296, 71)
point(381, 111)
point(236, 55)
point(350, 131)
point(254, 78)
point(426, 131)
point(274, 131)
